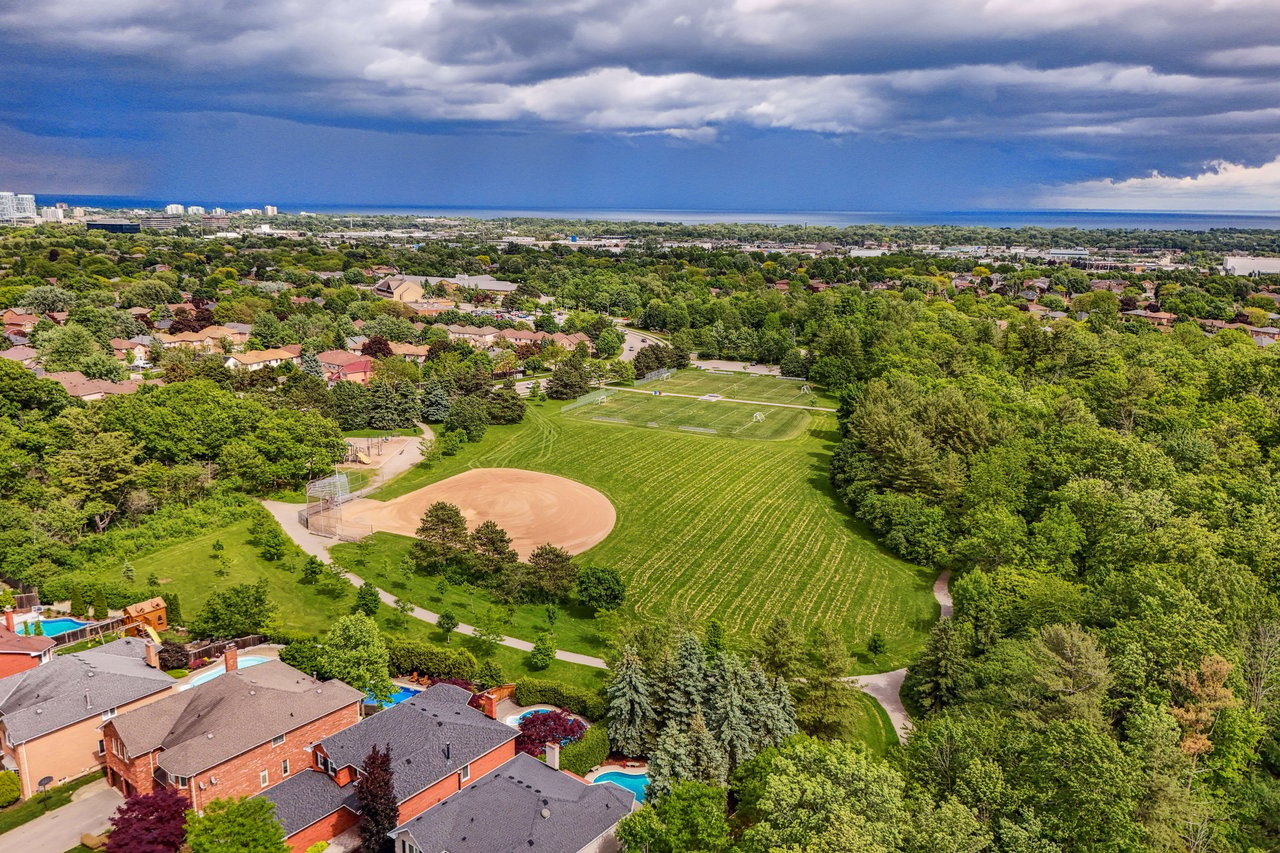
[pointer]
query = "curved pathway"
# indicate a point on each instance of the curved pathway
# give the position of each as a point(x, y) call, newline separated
point(318, 546)
point(886, 687)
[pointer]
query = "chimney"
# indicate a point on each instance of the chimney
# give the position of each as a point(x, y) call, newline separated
point(153, 655)
point(553, 755)
point(231, 657)
point(8, 619)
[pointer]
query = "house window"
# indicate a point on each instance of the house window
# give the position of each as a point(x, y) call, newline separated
point(284, 767)
point(464, 774)
point(108, 714)
point(180, 781)
point(102, 747)
point(264, 778)
point(277, 740)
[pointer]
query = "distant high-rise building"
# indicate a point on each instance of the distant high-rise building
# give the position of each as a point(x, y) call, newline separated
point(51, 214)
point(161, 222)
point(218, 211)
point(77, 212)
point(251, 211)
point(8, 207)
point(270, 210)
point(174, 209)
point(25, 206)
point(195, 210)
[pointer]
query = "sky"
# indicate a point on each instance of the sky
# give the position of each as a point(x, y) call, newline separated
point(681, 104)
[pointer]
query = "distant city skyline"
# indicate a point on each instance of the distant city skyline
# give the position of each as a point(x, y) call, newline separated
point(649, 104)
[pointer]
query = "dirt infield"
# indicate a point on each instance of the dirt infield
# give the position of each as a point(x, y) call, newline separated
point(533, 508)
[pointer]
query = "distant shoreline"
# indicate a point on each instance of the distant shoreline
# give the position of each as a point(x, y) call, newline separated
point(1084, 219)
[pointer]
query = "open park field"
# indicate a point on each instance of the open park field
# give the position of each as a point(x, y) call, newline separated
point(534, 508)
point(743, 386)
point(690, 415)
point(740, 530)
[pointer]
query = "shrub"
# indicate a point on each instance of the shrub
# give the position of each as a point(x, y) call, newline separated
point(537, 730)
point(410, 656)
point(172, 656)
point(10, 788)
point(318, 847)
point(544, 651)
point(587, 752)
point(582, 702)
point(305, 656)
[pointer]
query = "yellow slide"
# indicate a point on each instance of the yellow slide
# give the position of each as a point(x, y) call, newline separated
point(151, 632)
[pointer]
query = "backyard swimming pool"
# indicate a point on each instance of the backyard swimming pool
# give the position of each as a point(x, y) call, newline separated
point(214, 671)
point(399, 696)
point(519, 718)
point(633, 782)
point(52, 627)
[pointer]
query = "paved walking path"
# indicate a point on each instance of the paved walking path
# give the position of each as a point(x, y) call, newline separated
point(318, 546)
point(886, 687)
point(722, 399)
point(89, 811)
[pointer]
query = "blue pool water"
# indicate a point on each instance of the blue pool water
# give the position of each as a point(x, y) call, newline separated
point(53, 627)
point(633, 782)
point(214, 671)
point(396, 698)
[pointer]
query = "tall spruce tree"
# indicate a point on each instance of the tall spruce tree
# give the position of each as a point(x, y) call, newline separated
point(772, 711)
point(686, 691)
point(729, 714)
point(632, 721)
point(707, 759)
point(670, 762)
point(435, 401)
point(780, 652)
point(379, 808)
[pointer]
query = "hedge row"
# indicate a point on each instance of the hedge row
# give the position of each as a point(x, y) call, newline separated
point(587, 752)
point(576, 700)
point(409, 656)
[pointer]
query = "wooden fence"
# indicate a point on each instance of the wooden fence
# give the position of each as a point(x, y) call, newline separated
point(214, 648)
point(97, 629)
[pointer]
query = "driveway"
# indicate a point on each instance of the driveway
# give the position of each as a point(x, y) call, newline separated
point(89, 811)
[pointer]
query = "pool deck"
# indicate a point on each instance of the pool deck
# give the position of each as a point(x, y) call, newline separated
point(270, 651)
point(640, 770)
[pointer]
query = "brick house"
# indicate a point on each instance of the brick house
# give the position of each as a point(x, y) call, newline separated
point(18, 652)
point(438, 744)
point(522, 805)
point(229, 737)
point(51, 716)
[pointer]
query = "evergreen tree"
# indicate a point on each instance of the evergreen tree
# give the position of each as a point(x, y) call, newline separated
point(351, 405)
point(435, 401)
point(687, 688)
point(128, 572)
point(772, 712)
point(729, 714)
point(713, 638)
point(379, 807)
point(173, 609)
point(384, 406)
point(492, 546)
point(311, 365)
point(632, 720)
point(670, 762)
point(535, 390)
point(826, 702)
point(78, 607)
point(100, 605)
point(937, 677)
point(779, 653)
point(505, 405)
point(544, 650)
point(367, 600)
point(442, 535)
point(707, 759)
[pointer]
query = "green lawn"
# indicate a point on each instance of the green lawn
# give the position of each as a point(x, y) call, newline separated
point(381, 560)
point(872, 726)
point(189, 569)
point(744, 386)
point(685, 414)
point(741, 530)
point(19, 813)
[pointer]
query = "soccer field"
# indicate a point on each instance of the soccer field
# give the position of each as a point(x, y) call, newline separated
point(743, 386)
point(740, 530)
point(685, 414)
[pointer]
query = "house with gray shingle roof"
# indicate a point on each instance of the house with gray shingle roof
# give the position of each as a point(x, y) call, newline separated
point(438, 744)
point(231, 736)
point(51, 716)
point(522, 805)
